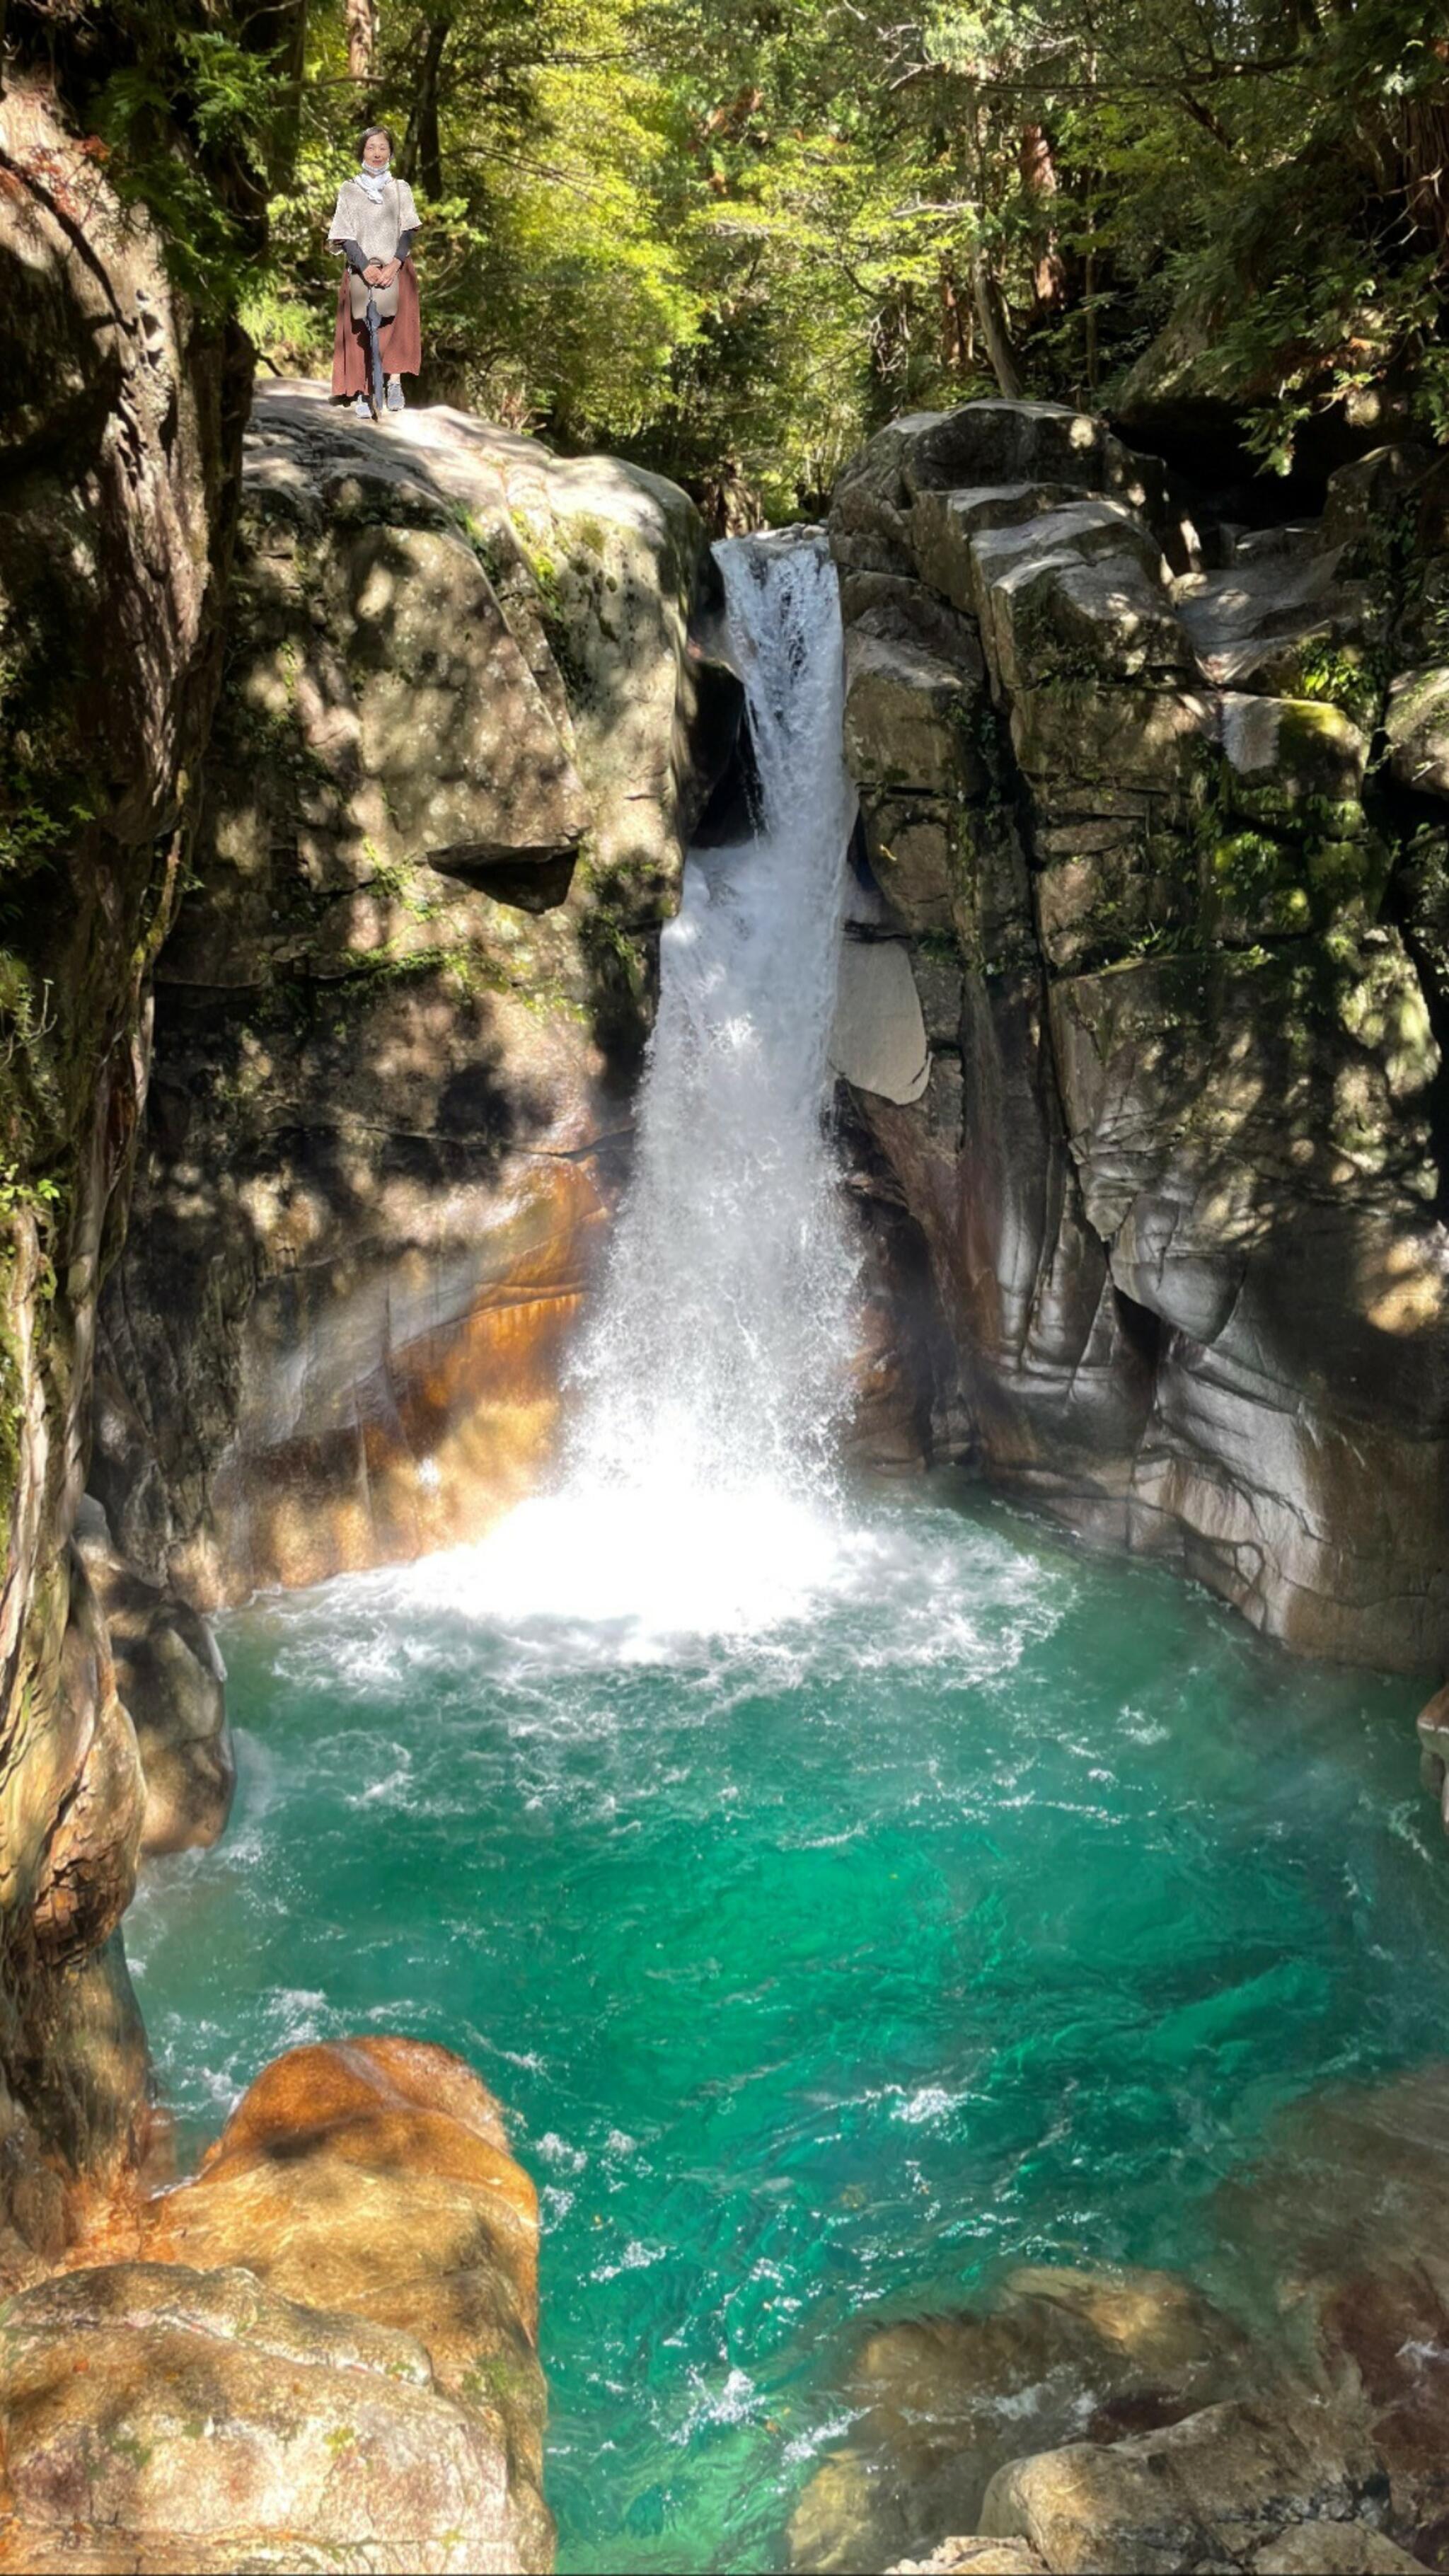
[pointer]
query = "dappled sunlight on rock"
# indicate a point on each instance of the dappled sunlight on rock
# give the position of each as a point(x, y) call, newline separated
point(1161, 1231)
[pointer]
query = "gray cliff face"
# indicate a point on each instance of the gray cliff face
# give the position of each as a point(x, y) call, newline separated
point(1177, 928)
point(460, 744)
point(116, 510)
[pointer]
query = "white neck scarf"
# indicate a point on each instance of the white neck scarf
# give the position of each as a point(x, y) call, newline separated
point(373, 181)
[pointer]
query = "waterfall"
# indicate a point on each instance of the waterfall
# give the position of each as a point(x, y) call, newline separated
point(717, 1359)
point(696, 1487)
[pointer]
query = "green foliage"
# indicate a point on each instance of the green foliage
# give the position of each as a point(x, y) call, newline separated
point(1343, 677)
point(732, 236)
point(190, 115)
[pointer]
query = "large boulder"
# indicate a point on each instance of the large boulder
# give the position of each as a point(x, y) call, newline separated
point(374, 2175)
point(1226, 2487)
point(324, 2357)
point(403, 1008)
point(1184, 1217)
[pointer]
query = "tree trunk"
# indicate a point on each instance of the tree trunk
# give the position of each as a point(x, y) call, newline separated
point(985, 285)
point(1039, 180)
point(424, 150)
point(1090, 303)
point(995, 329)
point(955, 326)
point(361, 22)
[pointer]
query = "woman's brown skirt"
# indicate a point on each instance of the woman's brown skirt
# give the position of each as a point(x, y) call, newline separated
point(400, 340)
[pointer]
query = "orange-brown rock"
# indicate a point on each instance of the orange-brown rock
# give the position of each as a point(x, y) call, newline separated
point(374, 2176)
point(325, 2356)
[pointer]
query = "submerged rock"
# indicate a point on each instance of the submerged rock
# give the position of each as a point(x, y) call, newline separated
point(325, 2357)
point(941, 2403)
point(878, 1040)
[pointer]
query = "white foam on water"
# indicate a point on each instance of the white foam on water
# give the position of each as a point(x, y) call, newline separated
point(623, 1574)
point(735, 1591)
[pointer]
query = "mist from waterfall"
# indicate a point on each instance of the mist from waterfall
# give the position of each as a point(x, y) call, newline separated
point(709, 1385)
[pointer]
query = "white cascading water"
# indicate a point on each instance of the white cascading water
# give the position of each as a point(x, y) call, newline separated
point(716, 1363)
point(697, 1476)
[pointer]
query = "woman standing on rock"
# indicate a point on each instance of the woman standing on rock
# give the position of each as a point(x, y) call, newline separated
point(374, 226)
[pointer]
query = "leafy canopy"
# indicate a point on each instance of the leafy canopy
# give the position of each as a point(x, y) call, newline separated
point(731, 236)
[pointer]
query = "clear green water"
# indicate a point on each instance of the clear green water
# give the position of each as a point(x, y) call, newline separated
point(986, 1908)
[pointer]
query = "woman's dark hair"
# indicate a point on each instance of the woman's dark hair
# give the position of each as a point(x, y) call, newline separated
point(368, 136)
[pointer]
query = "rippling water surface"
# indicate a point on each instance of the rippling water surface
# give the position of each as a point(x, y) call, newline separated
point(984, 1902)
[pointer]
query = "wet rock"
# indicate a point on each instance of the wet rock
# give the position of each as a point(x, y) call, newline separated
point(1433, 1731)
point(1231, 1242)
point(1200, 2494)
point(1383, 2340)
point(328, 2347)
point(878, 1039)
point(940, 2403)
point(1169, 833)
point(171, 1682)
point(1344, 2213)
point(1350, 2181)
